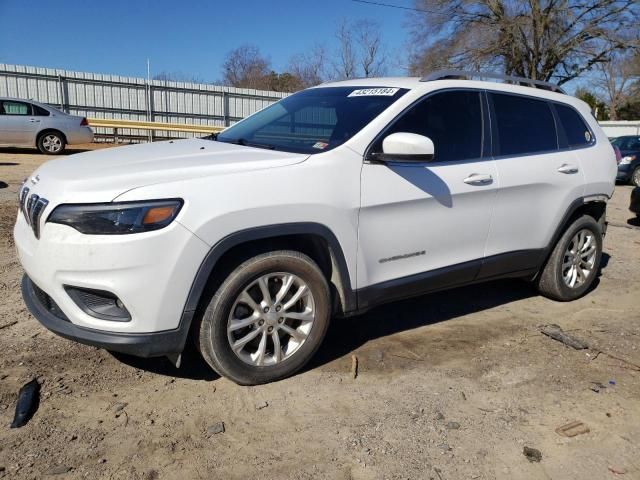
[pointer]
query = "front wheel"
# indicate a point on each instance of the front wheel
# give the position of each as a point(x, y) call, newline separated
point(267, 319)
point(51, 143)
point(635, 177)
point(574, 261)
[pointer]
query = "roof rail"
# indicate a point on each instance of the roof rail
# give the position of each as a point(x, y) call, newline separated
point(462, 74)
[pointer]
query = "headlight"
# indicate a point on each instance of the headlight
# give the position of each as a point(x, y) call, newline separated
point(117, 218)
point(627, 160)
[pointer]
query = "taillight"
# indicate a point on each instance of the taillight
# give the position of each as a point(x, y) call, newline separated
point(84, 122)
point(618, 154)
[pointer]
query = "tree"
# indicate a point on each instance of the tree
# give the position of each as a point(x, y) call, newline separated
point(360, 50)
point(538, 39)
point(310, 67)
point(615, 81)
point(245, 67)
point(598, 107)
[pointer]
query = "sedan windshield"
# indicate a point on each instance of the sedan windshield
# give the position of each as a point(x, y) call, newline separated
point(314, 120)
point(627, 143)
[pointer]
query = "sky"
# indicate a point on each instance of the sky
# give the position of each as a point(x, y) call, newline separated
point(190, 37)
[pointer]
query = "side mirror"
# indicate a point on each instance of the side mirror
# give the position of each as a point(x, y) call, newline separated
point(406, 147)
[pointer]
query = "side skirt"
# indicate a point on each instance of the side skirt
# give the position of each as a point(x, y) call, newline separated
point(523, 263)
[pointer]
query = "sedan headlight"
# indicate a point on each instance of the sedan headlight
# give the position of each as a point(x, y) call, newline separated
point(117, 218)
point(627, 160)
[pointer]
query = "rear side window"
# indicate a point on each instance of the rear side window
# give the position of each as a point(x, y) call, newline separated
point(452, 120)
point(39, 111)
point(524, 125)
point(576, 131)
point(15, 108)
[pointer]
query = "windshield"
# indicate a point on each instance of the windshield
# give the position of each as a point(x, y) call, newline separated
point(627, 143)
point(314, 120)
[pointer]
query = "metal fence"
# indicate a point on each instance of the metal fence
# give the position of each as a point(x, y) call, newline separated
point(129, 98)
point(621, 127)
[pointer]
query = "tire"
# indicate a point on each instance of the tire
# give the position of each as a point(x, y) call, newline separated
point(248, 367)
point(51, 143)
point(635, 177)
point(555, 279)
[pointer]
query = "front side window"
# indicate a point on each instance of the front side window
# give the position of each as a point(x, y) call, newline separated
point(524, 125)
point(576, 131)
point(314, 120)
point(15, 108)
point(452, 120)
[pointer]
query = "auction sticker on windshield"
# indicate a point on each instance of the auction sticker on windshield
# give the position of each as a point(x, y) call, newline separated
point(374, 92)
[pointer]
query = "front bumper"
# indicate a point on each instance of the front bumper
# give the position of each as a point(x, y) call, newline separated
point(155, 344)
point(151, 273)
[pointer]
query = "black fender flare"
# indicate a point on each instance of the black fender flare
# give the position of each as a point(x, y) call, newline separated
point(216, 252)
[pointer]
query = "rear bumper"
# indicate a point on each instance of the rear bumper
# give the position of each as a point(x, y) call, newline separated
point(81, 135)
point(154, 344)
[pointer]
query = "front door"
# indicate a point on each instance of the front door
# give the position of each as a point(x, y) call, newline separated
point(426, 224)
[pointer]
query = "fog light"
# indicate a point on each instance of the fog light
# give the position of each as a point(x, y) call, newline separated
point(99, 304)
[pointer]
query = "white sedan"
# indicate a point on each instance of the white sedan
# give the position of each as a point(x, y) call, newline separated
point(28, 123)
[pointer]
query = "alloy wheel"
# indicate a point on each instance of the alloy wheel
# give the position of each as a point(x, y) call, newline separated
point(271, 319)
point(579, 259)
point(52, 143)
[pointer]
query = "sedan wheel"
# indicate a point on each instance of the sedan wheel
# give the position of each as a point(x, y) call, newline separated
point(51, 143)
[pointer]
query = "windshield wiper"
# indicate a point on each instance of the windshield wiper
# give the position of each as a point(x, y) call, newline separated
point(246, 143)
point(212, 137)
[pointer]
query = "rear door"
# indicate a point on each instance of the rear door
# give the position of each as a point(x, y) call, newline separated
point(423, 218)
point(18, 125)
point(538, 179)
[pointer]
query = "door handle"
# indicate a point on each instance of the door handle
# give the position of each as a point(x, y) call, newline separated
point(33, 120)
point(566, 168)
point(479, 179)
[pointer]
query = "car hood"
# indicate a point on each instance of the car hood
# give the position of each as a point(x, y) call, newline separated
point(102, 175)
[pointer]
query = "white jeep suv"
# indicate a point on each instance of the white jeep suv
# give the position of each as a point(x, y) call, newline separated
point(325, 204)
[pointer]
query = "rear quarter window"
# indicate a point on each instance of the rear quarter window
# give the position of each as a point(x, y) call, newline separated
point(524, 125)
point(575, 128)
point(39, 111)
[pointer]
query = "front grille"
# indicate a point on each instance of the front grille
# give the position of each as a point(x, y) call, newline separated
point(47, 302)
point(32, 208)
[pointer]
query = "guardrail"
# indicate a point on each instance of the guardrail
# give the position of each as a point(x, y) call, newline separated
point(119, 125)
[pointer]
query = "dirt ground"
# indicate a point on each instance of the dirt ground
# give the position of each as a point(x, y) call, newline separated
point(450, 386)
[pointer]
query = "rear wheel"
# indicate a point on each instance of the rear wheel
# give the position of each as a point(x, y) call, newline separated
point(51, 143)
point(267, 319)
point(573, 264)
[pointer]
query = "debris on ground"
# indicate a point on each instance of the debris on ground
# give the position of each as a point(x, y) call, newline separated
point(6, 325)
point(572, 429)
point(597, 386)
point(118, 407)
point(453, 425)
point(261, 405)
point(532, 454)
point(216, 428)
point(58, 470)
point(555, 332)
point(27, 404)
point(354, 366)
point(617, 471)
